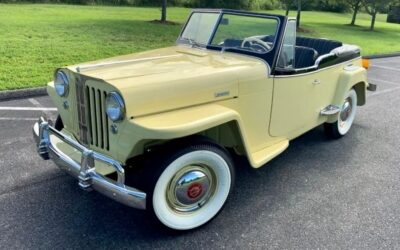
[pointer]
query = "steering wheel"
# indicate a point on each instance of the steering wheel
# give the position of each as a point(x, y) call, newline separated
point(253, 39)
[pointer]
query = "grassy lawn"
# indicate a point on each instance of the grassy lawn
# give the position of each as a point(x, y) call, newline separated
point(36, 39)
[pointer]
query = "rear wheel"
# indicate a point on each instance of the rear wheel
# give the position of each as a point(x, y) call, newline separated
point(346, 117)
point(192, 187)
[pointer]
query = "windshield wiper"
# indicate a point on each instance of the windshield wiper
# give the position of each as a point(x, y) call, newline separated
point(192, 42)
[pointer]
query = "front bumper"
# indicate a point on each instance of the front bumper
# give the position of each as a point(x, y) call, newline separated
point(85, 171)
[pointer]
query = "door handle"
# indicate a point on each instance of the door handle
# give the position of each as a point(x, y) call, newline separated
point(316, 82)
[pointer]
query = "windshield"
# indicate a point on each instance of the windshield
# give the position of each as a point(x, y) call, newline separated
point(245, 32)
point(200, 27)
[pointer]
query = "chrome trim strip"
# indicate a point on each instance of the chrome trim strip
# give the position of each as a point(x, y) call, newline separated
point(316, 64)
point(85, 171)
point(315, 71)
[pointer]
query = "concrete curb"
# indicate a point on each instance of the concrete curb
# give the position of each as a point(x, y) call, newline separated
point(22, 93)
point(382, 55)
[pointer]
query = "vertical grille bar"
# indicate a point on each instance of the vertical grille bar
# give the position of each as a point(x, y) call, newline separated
point(99, 120)
point(89, 119)
point(92, 114)
point(82, 121)
point(105, 120)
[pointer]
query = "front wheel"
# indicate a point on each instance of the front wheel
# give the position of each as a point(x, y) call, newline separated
point(193, 186)
point(346, 117)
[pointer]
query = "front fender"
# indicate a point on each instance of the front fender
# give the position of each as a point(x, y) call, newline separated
point(184, 122)
point(139, 132)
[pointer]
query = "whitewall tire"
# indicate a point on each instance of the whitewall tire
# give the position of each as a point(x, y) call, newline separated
point(345, 117)
point(193, 186)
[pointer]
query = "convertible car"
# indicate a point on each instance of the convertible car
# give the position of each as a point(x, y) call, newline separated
point(155, 130)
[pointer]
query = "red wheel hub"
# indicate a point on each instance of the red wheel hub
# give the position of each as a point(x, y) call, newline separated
point(194, 190)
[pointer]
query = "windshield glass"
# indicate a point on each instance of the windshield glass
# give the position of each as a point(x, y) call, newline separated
point(199, 28)
point(245, 32)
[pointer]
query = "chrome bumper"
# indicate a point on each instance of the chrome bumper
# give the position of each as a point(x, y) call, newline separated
point(85, 171)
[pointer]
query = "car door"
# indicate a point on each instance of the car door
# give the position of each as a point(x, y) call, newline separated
point(299, 98)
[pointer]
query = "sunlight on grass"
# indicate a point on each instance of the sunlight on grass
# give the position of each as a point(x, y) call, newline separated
point(36, 39)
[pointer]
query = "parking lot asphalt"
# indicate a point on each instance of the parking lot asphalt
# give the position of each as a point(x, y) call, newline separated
point(320, 193)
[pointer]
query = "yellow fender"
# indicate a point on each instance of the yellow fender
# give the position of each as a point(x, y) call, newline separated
point(189, 121)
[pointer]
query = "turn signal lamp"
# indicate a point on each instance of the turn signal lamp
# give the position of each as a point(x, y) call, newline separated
point(365, 63)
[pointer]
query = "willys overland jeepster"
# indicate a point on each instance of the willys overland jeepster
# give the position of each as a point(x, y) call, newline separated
point(151, 130)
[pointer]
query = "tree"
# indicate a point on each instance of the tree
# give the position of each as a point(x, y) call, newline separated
point(164, 11)
point(355, 6)
point(287, 4)
point(298, 13)
point(373, 7)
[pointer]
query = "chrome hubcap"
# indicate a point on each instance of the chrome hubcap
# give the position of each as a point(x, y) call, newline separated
point(346, 110)
point(191, 188)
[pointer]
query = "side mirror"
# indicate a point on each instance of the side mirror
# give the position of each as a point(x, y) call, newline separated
point(224, 21)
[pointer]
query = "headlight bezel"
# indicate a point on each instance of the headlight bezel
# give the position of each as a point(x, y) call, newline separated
point(65, 83)
point(115, 96)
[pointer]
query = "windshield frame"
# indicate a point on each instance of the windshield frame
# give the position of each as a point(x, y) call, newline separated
point(270, 57)
point(221, 13)
point(183, 40)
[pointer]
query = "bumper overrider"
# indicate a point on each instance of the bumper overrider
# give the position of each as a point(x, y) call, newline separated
point(85, 171)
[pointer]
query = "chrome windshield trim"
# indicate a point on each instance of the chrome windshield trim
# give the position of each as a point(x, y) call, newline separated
point(221, 13)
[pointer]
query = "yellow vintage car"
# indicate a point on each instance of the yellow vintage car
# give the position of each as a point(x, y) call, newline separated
point(155, 130)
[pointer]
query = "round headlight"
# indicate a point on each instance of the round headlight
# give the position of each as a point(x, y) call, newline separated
point(115, 107)
point(61, 84)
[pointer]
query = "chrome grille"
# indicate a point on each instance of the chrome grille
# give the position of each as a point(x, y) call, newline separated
point(93, 120)
point(82, 115)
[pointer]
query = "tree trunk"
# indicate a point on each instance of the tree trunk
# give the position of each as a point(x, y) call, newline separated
point(164, 11)
point(298, 13)
point(287, 9)
point(356, 9)
point(373, 21)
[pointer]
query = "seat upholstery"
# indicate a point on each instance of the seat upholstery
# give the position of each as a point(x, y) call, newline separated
point(232, 43)
point(322, 46)
point(305, 57)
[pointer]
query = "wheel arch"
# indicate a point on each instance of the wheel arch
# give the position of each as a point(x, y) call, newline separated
point(226, 135)
point(356, 79)
point(219, 124)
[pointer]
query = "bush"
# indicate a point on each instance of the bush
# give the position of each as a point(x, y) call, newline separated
point(263, 4)
point(333, 6)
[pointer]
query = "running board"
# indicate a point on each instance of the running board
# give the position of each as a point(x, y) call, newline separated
point(330, 110)
point(261, 157)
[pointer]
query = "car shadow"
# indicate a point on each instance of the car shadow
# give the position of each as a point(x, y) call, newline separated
point(76, 218)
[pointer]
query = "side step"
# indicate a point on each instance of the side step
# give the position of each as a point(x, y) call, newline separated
point(259, 158)
point(330, 110)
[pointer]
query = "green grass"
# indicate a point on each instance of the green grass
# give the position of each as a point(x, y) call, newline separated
point(36, 39)
point(384, 39)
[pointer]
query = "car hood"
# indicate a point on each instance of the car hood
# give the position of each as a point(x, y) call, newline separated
point(170, 78)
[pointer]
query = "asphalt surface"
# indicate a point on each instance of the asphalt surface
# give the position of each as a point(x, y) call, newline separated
point(320, 193)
